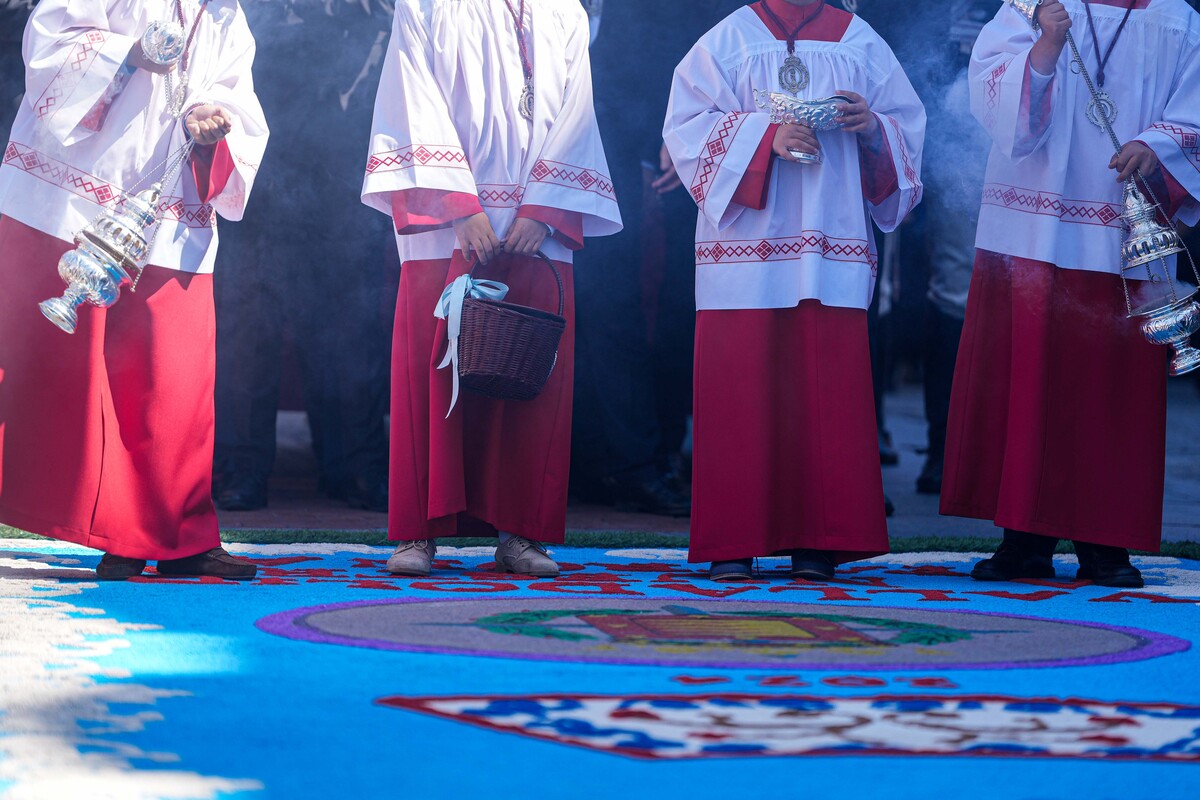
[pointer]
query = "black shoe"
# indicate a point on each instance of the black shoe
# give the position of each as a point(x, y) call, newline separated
point(1107, 566)
point(813, 565)
point(740, 569)
point(889, 456)
point(653, 496)
point(930, 479)
point(1016, 559)
point(370, 493)
point(119, 568)
point(242, 491)
point(214, 563)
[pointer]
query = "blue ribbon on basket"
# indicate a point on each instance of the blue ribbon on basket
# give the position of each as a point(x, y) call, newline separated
point(449, 308)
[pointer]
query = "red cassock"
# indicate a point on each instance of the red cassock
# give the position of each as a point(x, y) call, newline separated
point(787, 454)
point(786, 447)
point(786, 451)
point(1058, 412)
point(492, 464)
point(106, 435)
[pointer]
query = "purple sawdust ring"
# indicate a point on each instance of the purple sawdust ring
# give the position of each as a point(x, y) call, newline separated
point(293, 625)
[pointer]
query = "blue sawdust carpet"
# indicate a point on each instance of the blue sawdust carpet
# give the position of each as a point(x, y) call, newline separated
point(630, 676)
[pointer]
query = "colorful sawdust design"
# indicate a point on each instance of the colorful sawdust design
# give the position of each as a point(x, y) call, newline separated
point(735, 634)
point(707, 726)
point(628, 673)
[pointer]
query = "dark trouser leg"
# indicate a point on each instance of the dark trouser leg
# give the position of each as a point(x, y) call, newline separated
point(877, 335)
point(249, 311)
point(942, 333)
point(616, 432)
point(1031, 542)
point(674, 331)
point(617, 439)
point(362, 394)
point(341, 327)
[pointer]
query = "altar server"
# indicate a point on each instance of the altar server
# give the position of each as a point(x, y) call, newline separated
point(786, 454)
point(485, 148)
point(1058, 416)
point(106, 436)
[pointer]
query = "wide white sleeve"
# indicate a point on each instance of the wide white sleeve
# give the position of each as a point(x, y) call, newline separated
point(1000, 79)
point(414, 144)
point(902, 118)
point(571, 173)
point(234, 90)
point(71, 59)
point(711, 145)
point(1175, 138)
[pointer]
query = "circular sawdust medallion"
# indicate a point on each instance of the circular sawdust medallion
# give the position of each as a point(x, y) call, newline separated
point(724, 634)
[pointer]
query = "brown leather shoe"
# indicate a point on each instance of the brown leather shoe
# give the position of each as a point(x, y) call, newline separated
point(525, 557)
point(215, 563)
point(119, 568)
point(413, 559)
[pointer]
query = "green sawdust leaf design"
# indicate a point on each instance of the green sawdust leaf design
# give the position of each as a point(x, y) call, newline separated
point(929, 635)
point(529, 623)
point(538, 632)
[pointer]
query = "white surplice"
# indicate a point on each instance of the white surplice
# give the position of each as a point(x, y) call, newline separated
point(60, 168)
point(1049, 194)
point(446, 117)
point(814, 239)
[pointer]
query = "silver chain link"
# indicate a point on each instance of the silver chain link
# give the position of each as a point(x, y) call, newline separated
point(170, 180)
point(1116, 143)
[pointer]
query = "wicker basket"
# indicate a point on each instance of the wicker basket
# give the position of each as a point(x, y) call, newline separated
point(508, 351)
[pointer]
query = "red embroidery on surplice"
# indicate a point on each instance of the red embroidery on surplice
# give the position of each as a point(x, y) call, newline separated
point(992, 85)
point(785, 249)
point(414, 155)
point(1049, 204)
point(910, 171)
point(70, 74)
point(250, 165)
point(573, 177)
point(500, 195)
point(715, 150)
point(97, 190)
point(1187, 139)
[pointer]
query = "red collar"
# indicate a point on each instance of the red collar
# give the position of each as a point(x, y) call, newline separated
point(1139, 5)
point(830, 27)
point(793, 14)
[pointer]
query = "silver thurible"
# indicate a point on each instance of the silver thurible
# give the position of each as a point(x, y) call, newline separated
point(109, 254)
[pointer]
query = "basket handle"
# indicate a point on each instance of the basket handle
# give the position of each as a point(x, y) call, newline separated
point(562, 295)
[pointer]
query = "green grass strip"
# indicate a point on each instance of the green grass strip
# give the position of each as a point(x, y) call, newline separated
point(621, 540)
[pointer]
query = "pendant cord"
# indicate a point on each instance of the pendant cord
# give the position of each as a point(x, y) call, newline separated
point(522, 46)
point(791, 37)
point(1091, 86)
point(1103, 62)
point(183, 61)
